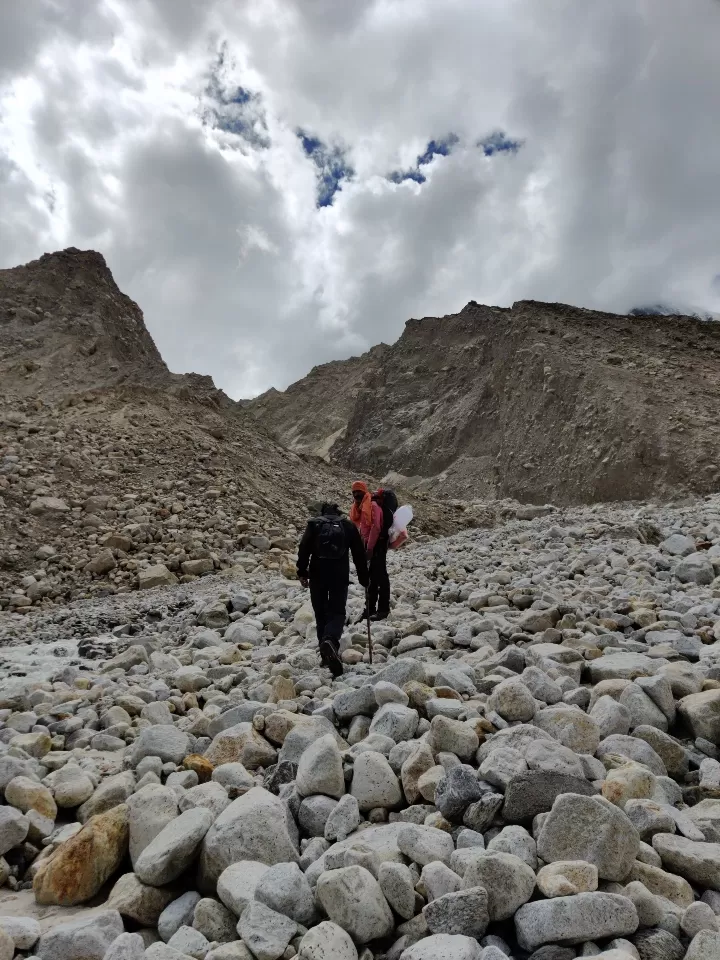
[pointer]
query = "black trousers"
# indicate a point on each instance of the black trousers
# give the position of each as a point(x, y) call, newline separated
point(329, 599)
point(379, 589)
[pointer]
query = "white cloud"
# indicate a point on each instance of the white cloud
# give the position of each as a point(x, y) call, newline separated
point(164, 133)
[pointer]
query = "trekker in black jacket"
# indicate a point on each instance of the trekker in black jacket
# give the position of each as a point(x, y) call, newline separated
point(324, 564)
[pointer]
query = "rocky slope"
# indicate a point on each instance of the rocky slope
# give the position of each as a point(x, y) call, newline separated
point(111, 466)
point(529, 769)
point(540, 402)
point(312, 414)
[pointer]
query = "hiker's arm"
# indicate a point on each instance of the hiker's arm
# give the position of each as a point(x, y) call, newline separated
point(376, 528)
point(304, 552)
point(358, 554)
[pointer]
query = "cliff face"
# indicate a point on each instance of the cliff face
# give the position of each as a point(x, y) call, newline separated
point(538, 402)
point(312, 414)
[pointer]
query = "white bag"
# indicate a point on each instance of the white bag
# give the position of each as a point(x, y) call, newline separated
point(402, 517)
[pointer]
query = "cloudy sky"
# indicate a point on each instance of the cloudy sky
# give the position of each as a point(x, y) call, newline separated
point(283, 182)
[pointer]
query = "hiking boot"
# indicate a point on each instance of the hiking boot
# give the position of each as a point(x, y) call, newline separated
point(380, 615)
point(330, 658)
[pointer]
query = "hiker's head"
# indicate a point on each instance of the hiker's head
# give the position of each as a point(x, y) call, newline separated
point(359, 491)
point(330, 510)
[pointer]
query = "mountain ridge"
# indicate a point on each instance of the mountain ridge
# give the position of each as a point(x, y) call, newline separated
point(536, 401)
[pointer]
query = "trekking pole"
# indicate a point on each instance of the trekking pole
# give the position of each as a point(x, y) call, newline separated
point(367, 613)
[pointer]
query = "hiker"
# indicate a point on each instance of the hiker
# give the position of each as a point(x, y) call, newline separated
point(369, 517)
point(324, 565)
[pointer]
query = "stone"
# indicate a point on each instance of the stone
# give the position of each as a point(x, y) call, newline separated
point(437, 880)
point(515, 840)
point(128, 946)
point(631, 781)
point(701, 712)
point(554, 758)
point(173, 850)
point(464, 913)
point(188, 942)
point(178, 913)
point(327, 941)
point(661, 883)
point(571, 727)
point(374, 783)
point(695, 568)
point(610, 716)
point(151, 809)
point(157, 575)
point(139, 902)
point(81, 866)
point(71, 787)
point(444, 947)
point(672, 753)
point(236, 885)
point(320, 769)
point(285, 889)
point(168, 743)
point(343, 820)
point(86, 938)
point(14, 828)
point(589, 829)
point(500, 766)
point(211, 796)
point(24, 931)
point(567, 877)
point(256, 826)
point(314, 814)
point(214, 920)
point(352, 898)
point(699, 916)
point(575, 919)
point(241, 744)
point(658, 945)
point(452, 736)
point(512, 700)
point(509, 882)
point(25, 794)
point(535, 791)
point(234, 778)
point(634, 749)
point(696, 861)
point(111, 793)
point(396, 883)
point(7, 946)
point(456, 791)
point(395, 721)
point(705, 946)
point(649, 818)
point(424, 844)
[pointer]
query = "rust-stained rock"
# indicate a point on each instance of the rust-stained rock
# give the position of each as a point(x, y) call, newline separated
point(85, 862)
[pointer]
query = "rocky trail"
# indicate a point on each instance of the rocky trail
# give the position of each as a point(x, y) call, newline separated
point(529, 769)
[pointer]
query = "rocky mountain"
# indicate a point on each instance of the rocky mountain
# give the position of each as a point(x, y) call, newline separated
point(111, 466)
point(312, 414)
point(540, 402)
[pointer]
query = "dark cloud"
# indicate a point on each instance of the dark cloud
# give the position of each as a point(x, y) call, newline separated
point(281, 183)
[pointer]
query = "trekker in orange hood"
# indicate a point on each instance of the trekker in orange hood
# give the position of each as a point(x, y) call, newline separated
point(368, 517)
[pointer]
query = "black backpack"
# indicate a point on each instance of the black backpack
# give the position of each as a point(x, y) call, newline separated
point(389, 503)
point(330, 540)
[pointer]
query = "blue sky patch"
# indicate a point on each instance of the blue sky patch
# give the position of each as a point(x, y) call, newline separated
point(437, 148)
point(234, 109)
point(331, 163)
point(499, 142)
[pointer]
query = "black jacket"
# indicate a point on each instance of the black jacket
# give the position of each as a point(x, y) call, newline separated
point(316, 568)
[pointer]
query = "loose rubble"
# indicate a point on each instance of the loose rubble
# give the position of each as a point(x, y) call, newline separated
point(530, 768)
